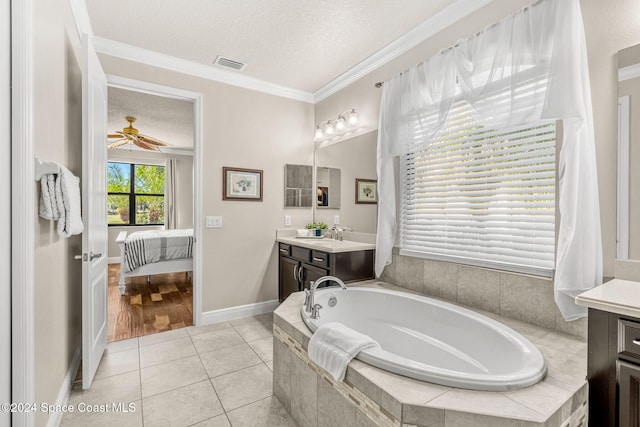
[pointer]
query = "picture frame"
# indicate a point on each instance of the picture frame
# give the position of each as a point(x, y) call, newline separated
point(366, 191)
point(241, 184)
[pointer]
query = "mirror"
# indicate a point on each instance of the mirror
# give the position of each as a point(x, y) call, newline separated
point(628, 153)
point(328, 188)
point(298, 186)
point(354, 158)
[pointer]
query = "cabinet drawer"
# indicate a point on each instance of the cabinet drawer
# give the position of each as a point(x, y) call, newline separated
point(320, 259)
point(303, 254)
point(285, 249)
point(629, 338)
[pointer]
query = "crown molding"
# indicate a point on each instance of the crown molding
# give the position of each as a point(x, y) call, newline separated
point(629, 72)
point(438, 22)
point(168, 62)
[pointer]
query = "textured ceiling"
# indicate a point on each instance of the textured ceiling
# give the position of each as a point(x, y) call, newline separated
point(166, 119)
point(301, 44)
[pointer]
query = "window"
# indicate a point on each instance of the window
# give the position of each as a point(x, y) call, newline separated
point(482, 196)
point(135, 194)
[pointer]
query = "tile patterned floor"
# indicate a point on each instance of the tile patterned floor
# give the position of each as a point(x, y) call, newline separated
point(210, 376)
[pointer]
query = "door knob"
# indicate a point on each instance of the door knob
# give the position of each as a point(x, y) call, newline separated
point(78, 257)
point(87, 257)
point(93, 256)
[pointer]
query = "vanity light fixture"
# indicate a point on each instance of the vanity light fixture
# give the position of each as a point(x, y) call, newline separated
point(329, 128)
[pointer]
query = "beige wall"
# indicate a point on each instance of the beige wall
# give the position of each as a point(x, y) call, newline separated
point(58, 138)
point(356, 158)
point(609, 27)
point(245, 129)
point(184, 190)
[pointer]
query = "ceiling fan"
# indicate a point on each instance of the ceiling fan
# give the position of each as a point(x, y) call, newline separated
point(131, 134)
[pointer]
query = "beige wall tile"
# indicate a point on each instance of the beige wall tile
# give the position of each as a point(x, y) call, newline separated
point(479, 288)
point(441, 279)
point(529, 299)
point(410, 273)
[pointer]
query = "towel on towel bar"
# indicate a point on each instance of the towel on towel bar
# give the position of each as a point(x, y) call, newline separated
point(69, 203)
point(48, 204)
point(333, 345)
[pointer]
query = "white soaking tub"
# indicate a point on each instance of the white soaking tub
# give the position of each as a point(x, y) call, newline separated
point(431, 340)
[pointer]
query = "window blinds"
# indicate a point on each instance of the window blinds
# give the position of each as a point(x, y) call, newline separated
point(482, 196)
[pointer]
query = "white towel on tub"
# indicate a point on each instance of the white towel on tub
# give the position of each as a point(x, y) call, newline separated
point(333, 345)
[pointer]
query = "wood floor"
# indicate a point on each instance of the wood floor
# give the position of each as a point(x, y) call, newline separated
point(164, 304)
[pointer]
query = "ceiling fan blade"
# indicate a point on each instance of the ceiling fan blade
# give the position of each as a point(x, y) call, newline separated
point(145, 145)
point(117, 143)
point(152, 140)
point(114, 135)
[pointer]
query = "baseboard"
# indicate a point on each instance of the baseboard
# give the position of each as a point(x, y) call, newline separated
point(113, 260)
point(232, 313)
point(65, 388)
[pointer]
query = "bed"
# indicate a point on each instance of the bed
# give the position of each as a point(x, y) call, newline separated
point(145, 253)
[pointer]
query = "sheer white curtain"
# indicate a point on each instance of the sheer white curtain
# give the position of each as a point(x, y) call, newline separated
point(543, 47)
point(170, 209)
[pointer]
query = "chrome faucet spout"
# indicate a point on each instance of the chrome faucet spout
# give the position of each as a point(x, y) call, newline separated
point(314, 286)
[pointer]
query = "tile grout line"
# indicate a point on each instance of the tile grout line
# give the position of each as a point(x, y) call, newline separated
point(140, 382)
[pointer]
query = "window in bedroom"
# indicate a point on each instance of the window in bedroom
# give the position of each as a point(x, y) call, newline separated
point(482, 196)
point(135, 194)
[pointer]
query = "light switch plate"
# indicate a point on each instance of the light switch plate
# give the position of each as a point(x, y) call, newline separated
point(336, 220)
point(213, 222)
point(287, 220)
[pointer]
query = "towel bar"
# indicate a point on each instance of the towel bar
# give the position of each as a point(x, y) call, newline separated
point(44, 168)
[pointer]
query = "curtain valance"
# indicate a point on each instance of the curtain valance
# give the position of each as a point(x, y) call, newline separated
point(542, 47)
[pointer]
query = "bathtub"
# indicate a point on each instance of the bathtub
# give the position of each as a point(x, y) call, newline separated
point(431, 340)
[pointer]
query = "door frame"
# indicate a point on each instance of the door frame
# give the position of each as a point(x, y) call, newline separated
point(195, 97)
point(23, 210)
point(5, 215)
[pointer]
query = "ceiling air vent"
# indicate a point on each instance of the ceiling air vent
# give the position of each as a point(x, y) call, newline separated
point(229, 63)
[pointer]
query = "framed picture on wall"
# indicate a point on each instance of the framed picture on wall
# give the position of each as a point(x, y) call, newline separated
point(366, 191)
point(241, 184)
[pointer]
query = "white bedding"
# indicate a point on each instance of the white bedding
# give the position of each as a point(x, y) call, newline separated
point(144, 247)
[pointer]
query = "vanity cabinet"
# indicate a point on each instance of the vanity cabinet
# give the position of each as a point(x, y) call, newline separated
point(299, 266)
point(613, 369)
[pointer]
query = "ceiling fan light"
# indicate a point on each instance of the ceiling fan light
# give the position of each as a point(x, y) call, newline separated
point(353, 117)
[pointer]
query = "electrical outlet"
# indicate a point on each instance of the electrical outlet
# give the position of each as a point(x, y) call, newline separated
point(287, 220)
point(336, 220)
point(213, 222)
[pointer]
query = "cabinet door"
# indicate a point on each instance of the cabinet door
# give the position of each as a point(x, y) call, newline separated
point(311, 274)
point(288, 281)
point(629, 400)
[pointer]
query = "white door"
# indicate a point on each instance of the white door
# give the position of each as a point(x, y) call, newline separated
point(94, 212)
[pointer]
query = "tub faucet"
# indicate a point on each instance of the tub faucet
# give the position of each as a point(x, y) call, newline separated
point(310, 302)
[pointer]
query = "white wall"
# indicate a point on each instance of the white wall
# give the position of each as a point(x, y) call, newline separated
point(58, 138)
point(5, 214)
point(184, 193)
point(245, 129)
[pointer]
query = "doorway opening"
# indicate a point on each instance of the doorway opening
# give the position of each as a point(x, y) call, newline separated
point(152, 197)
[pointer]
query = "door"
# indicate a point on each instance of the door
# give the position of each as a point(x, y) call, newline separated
point(94, 212)
point(629, 396)
point(311, 273)
point(289, 281)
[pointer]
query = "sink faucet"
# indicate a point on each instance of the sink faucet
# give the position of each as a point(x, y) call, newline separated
point(310, 297)
point(338, 232)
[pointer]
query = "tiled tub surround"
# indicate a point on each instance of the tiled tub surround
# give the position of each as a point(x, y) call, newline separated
point(370, 396)
point(495, 291)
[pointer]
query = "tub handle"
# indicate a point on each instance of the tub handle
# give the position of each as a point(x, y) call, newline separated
point(315, 311)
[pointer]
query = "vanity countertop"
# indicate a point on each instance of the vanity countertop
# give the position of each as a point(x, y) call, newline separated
point(616, 296)
point(327, 245)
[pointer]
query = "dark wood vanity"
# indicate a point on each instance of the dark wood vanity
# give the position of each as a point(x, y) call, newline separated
point(298, 266)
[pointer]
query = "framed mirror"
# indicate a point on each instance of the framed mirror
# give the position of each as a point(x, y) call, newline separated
point(298, 186)
point(327, 188)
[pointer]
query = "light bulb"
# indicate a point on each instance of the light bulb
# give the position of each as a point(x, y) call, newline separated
point(329, 129)
point(319, 133)
point(353, 118)
point(341, 123)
